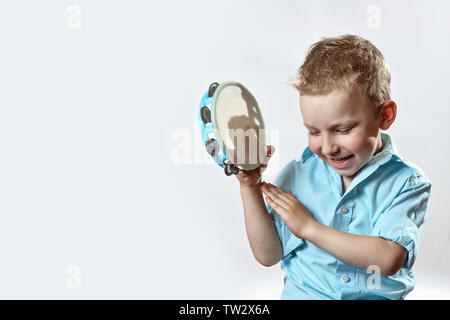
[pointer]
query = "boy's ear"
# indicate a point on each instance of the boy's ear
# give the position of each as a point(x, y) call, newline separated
point(388, 113)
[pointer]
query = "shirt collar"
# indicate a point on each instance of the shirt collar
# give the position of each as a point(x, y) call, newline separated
point(306, 154)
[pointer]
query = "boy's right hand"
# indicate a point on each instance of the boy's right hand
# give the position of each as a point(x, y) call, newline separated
point(253, 178)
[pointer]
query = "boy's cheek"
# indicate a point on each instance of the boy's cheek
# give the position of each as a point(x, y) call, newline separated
point(315, 149)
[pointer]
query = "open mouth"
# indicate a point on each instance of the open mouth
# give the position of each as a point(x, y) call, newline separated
point(341, 162)
point(341, 159)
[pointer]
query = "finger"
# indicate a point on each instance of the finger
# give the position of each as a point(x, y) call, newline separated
point(291, 194)
point(276, 206)
point(279, 193)
point(268, 152)
point(278, 198)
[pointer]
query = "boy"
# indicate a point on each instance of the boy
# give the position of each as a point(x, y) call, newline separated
point(345, 218)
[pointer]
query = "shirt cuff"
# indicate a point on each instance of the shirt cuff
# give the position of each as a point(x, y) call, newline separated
point(407, 238)
point(288, 240)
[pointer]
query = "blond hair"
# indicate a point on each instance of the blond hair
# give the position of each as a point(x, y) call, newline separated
point(338, 62)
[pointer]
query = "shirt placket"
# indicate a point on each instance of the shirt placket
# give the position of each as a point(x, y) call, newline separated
point(345, 273)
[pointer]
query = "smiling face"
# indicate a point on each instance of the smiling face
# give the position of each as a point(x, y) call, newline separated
point(342, 129)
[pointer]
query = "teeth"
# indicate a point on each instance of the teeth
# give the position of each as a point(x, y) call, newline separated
point(340, 159)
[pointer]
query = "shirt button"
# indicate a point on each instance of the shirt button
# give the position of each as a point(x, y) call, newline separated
point(344, 210)
point(346, 278)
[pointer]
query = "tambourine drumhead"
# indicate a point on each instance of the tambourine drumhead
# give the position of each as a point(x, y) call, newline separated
point(239, 125)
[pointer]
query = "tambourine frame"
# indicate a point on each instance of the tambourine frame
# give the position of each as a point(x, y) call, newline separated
point(211, 139)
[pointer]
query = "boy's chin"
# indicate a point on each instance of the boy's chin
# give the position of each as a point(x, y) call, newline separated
point(345, 172)
point(349, 172)
point(348, 175)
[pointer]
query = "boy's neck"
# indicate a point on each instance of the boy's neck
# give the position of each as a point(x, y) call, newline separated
point(379, 145)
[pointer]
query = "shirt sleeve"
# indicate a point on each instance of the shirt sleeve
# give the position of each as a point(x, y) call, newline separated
point(285, 181)
point(402, 221)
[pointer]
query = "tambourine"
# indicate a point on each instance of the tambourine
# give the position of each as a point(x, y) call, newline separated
point(232, 127)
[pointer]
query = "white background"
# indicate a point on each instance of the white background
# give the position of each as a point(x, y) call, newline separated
point(98, 104)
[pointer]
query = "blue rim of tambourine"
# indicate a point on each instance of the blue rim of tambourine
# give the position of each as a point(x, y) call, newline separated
point(209, 132)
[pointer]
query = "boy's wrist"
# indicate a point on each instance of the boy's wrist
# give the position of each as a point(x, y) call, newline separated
point(247, 188)
point(312, 229)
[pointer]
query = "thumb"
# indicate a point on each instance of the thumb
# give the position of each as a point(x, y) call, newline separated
point(268, 152)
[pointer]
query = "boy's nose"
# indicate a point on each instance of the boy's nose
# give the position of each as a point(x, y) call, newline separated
point(329, 148)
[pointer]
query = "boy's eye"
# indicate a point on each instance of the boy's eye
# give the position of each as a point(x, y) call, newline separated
point(343, 131)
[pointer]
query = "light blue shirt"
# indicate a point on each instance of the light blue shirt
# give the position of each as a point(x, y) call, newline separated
point(387, 198)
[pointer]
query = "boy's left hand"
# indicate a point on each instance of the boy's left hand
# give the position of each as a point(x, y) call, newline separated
point(294, 214)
